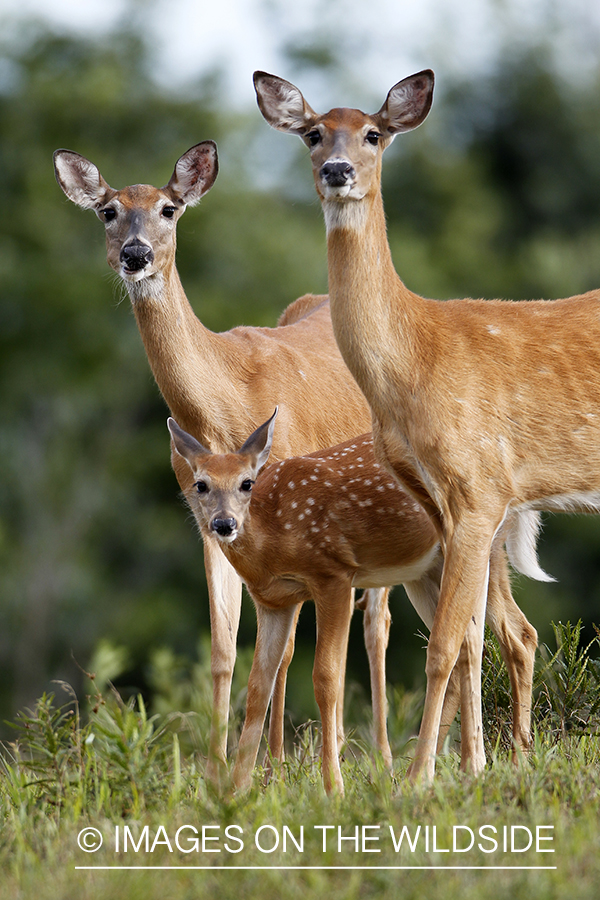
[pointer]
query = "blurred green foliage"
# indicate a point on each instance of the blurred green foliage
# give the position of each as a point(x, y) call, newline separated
point(498, 195)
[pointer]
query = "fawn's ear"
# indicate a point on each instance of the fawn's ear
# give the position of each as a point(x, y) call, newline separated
point(258, 445)
point(407, 104)
point(186, 445)
point(194, 173)
point(282, 104)
point(80, 179)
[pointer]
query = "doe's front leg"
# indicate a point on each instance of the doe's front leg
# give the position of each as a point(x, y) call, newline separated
point(459, 617)
point(225, 599)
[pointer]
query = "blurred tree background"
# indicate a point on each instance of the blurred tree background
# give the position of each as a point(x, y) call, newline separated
point(498, 195)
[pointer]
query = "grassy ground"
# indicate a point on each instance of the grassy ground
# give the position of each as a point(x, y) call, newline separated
point(164, 834)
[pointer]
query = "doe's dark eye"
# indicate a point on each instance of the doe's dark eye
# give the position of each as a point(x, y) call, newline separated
point(108, 214)
point(201, 487)
point(373, 137)
point(313, 137)
point(246, 485)
point(169, 211)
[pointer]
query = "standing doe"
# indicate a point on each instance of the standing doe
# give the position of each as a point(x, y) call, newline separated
point(221, 386)
point(315, 527)
point(483, 409)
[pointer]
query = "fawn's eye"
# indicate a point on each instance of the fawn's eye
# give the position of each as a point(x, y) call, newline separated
point(313, 137)
point(201, 487)
point(373, 137)
point(246, 485)
point(169, 211)
point(108, 214)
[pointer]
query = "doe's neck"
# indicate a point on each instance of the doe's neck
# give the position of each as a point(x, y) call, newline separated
point(358, 250)
point(185, 357)
point(371, 309)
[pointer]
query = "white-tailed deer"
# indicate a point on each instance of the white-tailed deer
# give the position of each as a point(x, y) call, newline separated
point(315, 527)
point(221, 386)
point(483, 409)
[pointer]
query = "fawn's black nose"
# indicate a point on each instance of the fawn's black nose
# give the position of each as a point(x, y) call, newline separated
point(223, 527)
point(336, 173)
point(136, 255)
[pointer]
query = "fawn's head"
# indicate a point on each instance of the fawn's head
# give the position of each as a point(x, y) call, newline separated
point(223, 481)
point(140, 220)
point(345, 144)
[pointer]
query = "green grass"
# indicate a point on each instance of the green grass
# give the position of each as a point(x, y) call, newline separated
point(115, 768)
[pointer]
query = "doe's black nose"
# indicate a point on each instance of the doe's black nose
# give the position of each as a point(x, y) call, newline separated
point(224, 527)
point(336, 173)
point(136, 255)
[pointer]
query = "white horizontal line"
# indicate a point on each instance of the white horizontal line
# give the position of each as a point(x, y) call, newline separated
point(301, 868)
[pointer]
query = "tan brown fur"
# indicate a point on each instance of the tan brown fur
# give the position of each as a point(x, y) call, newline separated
point(485, 411)
point(315, 527)
point(220, 386)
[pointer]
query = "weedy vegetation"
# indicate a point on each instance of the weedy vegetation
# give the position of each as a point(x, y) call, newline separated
point(138, 778)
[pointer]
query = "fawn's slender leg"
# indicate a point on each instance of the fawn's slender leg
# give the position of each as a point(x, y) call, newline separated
point(275, 749)
point(273, 632)
point(376, 626)
point(334, 607)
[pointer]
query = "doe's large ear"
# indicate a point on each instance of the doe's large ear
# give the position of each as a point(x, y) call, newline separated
point(194, 173)
point(282, 104)
point(186, 445)
point(258, 446)
point(407, 103)
point(80, 179)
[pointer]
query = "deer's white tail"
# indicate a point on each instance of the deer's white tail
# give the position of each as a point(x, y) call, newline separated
point(521, 544)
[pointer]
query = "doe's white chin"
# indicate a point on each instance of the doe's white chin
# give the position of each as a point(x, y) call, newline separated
point(132, 277)
point(336, 193)
point(228, 538)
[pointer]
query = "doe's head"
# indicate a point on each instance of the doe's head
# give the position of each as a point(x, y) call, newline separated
point(223, 482)
point(345, 144)
point(140, 220)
